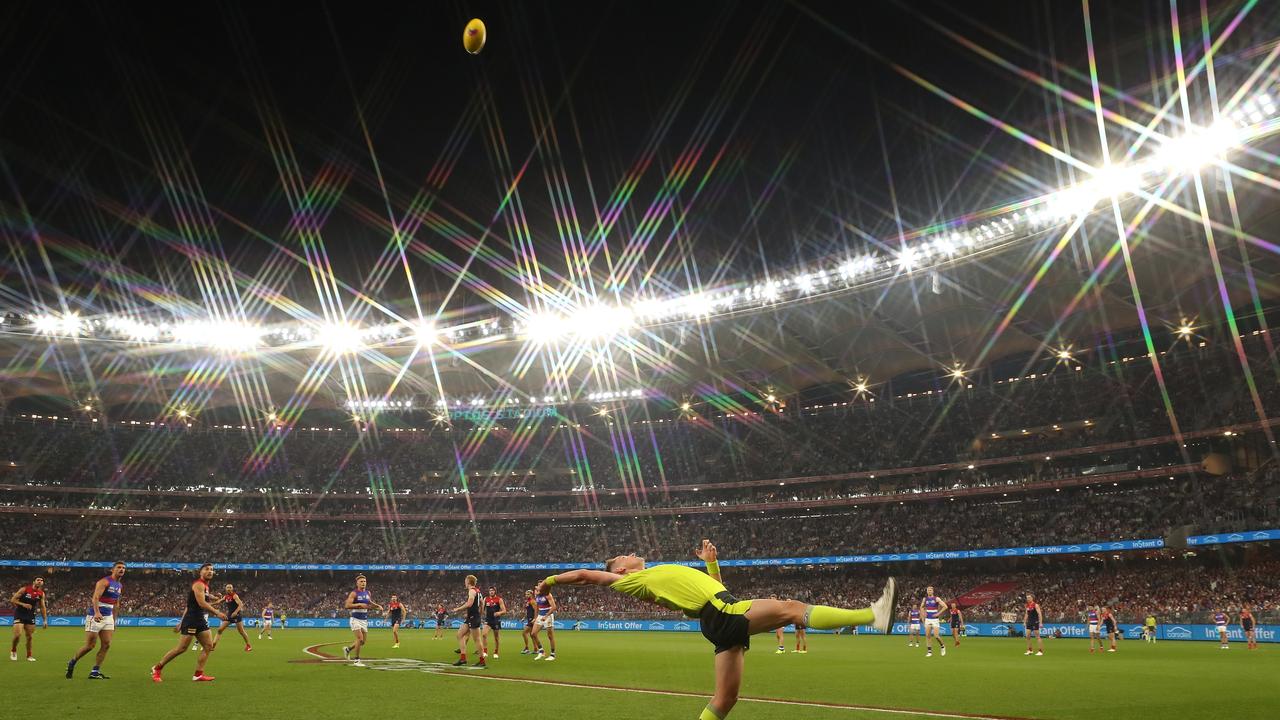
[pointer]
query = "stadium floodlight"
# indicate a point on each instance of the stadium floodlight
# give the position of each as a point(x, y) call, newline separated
point(1185, 330)
point(1198, 147)
point(698, 305)
point(1064, 354)
point(601, 321)
point(545, 328)
point(425, 333)
point(907, 258)
point(69, 324)
point(685, 407)
point(339, 338)
point(218, 335)
point(133, 329)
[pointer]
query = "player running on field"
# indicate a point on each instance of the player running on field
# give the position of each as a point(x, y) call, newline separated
point(235, 610)
point(395, 613)
point(932, 608)
point(441, 616)
point(100, 623)
point(957, 624)
point(1246, 624)
point(913, 627)
point(359, 602)
point(194, 625)
point(494, 608)
point(544, 604)
point(268, 619)
point(529, 610)
point(728, 623)
point(1031, 618)
point(24, 603)
point(470, 623)
point(1222, 620)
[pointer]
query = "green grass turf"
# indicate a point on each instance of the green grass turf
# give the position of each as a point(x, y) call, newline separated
point(984, 676)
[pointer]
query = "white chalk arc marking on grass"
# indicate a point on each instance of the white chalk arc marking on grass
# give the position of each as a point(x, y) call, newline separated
point(402, 664)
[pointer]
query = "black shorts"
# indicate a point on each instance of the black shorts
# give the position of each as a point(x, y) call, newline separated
point(1033, 625)
point(956, 625)
point(800, 626)
point(439, 623)
point(396, 619)
point(24, 618)
point(494, 625)
point(472, 622)
point(724, 630)
point(233, 619)
point(1247, 625)
point(1108, 626)
point(193, 624)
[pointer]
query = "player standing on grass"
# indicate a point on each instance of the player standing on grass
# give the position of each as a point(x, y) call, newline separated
point(235, 606)
point(100, 624)
point(395, 613)
point(470, 624)
point(1246, 624)
point(1109, 628)
point(913, 627)
point(802, 639)
point(545, 604)
point(1222, 621)
point(782, 648)
point(494, 608)
point(1094, 621)
point(957, 624)
point(359, 602)
point(24, 615)
point(195, 624)
point(728, 623)
point(441, 616)
point(1032, 615)
point(933, 606)
point(268, 618)
point(528, 621)
point(1149, 628)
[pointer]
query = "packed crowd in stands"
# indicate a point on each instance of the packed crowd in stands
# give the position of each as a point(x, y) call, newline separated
point(1141, 510)
point(1174, 589)
point(1083, 514)
point(1121, 402)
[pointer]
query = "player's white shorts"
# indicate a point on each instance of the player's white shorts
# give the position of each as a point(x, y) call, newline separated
point(545, 621)
point(108, 622)
point(914, 627)
point(1093, 628)
point(932, 623)
point(266, 624)
point(358, 624)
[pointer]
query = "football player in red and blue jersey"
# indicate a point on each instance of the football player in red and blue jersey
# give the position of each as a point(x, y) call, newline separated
point(235, 608)
point(24, 603)
point(494, 608)
point(194, 626)
point(100, 623)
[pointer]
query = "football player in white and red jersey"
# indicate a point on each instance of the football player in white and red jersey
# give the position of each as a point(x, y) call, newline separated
point(100, 623)
point(24, 603)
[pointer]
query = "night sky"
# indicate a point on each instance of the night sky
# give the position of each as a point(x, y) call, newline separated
point(798, 125)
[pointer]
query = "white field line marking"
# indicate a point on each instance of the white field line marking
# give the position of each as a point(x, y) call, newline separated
point(676, 693)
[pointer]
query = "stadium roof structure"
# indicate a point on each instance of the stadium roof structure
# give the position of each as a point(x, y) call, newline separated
point(1009, 236)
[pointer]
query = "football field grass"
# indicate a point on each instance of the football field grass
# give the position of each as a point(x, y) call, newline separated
point(600, 675)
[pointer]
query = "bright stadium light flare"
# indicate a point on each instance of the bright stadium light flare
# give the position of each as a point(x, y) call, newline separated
point(218, 335)
point(425, 333)
point(1198, 147)
point(339, 338)
point(68, 325)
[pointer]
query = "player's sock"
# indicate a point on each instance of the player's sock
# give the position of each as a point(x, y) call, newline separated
point(824, 617)
point(709, 713)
